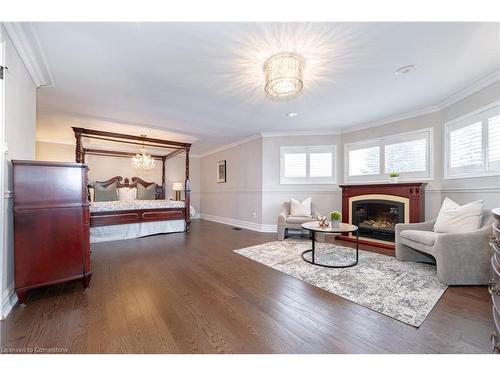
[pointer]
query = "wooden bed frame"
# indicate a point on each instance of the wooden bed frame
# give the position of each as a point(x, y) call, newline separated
point(141, 215)
point(98, 219)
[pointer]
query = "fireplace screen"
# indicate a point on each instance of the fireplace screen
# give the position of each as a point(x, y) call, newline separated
point(377, 218)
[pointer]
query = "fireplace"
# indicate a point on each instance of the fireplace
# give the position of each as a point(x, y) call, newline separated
point(377, 218)
point(377, 208)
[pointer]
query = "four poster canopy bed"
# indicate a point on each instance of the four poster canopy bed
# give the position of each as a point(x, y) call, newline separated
point(122, 208)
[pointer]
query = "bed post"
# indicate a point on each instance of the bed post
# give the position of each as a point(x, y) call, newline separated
point(163, 161)
point(78, 148)
point(187, 191)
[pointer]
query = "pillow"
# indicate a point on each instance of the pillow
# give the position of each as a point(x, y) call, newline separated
point(127, 194)
point(454, 218)
point(105, 194)
point(298, 208)
point(91, 194)
point(146, 193)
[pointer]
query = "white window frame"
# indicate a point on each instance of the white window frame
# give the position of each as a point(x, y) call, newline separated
point(381, 142)
point(480, 115)
point(308, 180)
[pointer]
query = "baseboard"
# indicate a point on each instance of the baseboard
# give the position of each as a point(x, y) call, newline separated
point(266, 228)
point(9, 300)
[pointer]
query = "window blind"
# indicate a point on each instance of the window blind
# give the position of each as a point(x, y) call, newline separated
point(320, 164)
point(494, 143)
point(364, 161)
point(307, 164)
point(466, 148)
point(295, 165)
point(408, 156)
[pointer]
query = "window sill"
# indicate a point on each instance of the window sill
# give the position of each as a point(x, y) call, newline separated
point(471, 175)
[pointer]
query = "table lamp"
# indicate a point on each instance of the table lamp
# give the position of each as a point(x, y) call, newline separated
point(177, 187)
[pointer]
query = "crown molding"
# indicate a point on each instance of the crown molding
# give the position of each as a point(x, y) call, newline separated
point(463, 93)
point(470, 89)
point(391, 119)
point(25, 40)
point(231, 145)
point(300, 133)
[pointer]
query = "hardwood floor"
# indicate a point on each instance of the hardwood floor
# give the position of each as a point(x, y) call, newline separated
point(189, 293)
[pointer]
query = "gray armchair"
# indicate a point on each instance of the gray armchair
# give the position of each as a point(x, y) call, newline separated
point(460, 258)
point(285, 221)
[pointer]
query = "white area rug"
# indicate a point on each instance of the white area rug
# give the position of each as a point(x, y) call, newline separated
point(405, 291)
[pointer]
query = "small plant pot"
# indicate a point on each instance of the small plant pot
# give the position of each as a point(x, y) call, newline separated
point(335, 223)
point(394, 180)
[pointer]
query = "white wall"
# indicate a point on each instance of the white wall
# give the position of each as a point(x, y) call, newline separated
point(468, 189)
point(54, 152)
point(240, 198)
point(236, 199)
point(460, 190)
point(20, 122)
point(432, 120)
point(326, 196)
point(176, 172)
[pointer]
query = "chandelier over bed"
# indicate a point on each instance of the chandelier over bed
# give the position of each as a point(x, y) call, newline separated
point(143, 161)
point(284, 75)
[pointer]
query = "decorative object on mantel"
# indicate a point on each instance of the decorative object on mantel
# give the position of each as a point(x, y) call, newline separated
point(394, 176)
point(323, 222)
point(177, 187)
point(336, 218)
point(375, 283)
point(221, 171)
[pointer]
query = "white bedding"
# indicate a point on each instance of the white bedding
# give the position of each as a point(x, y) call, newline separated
point(134, 205)
point(134, 230)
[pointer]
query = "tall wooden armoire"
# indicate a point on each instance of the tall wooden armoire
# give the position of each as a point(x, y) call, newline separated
point(51, 224)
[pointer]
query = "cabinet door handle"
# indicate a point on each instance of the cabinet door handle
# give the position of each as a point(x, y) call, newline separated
point(495, 345)
point(493, 288)
point(495, 244)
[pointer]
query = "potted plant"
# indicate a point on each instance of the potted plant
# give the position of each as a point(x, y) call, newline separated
point(335, 217)
point(394, 177)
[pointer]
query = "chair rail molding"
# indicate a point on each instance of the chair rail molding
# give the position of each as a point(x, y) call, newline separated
point(27, 44)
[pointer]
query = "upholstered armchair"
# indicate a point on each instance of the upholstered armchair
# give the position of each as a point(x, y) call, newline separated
point(461, 258)
point(286, 221)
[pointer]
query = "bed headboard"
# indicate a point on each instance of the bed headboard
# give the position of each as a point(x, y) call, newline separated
point(160, 192)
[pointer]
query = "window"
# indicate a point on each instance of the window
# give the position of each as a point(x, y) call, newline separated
point(409, 154)
point(494, 143)
point(472, 144)
point(295, 165)
point(308, 165)
point(406, 156)
point(365, 161)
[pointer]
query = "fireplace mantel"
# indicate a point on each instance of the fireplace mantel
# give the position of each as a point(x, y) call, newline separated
point(412, 191)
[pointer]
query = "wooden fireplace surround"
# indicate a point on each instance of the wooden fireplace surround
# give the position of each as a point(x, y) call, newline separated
point(414, 191)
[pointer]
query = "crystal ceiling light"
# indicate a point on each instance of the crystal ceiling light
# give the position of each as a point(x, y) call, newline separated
point(143, 161)
point(284, 75)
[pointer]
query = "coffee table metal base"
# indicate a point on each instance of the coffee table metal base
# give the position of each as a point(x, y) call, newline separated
point(312, 251)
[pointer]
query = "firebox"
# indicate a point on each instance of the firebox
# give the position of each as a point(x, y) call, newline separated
point(377, 218)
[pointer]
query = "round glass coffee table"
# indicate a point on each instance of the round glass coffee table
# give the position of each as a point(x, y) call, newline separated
point(313, 228)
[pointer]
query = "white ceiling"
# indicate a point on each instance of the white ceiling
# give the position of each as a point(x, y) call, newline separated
point(203, 82)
